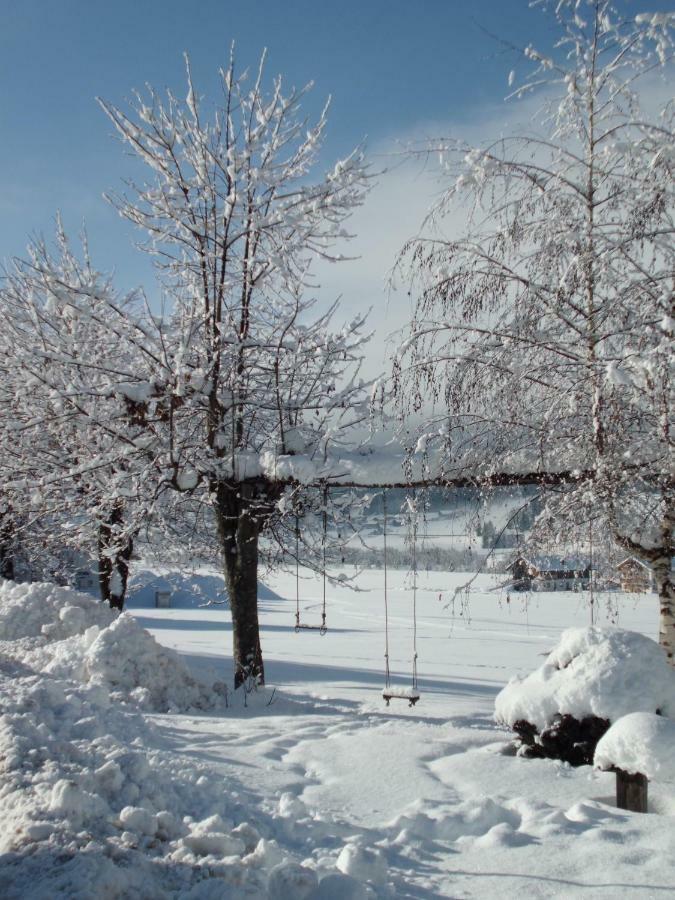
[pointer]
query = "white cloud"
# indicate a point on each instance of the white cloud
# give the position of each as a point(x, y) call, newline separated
point(395, 210)
point(392, 214)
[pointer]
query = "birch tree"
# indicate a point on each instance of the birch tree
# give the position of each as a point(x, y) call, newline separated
point(255, 383)
point(544, 333)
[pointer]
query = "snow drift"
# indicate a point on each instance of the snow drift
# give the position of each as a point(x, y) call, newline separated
point(90, 807)
point(47, 611)
point(92, 801)
point(61, 632)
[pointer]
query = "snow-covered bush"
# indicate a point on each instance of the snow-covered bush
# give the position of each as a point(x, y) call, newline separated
point(639, 742)
point(592, 678)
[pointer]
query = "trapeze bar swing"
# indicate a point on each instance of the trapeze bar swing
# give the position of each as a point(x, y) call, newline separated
point(390, 692)
point(301, 626)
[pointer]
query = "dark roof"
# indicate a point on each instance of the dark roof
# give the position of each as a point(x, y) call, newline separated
point(633, 559)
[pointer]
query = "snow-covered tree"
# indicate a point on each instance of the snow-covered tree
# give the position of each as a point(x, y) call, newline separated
point(254, 384)
point(544, 334)
point(73, 465)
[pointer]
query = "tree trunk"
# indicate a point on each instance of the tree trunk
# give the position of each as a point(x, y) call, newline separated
point(665, 585)
point(113, 559)
point(6, 546)
point(6, 564)
point(239, 528)
point(660, 560)
point(6, 561)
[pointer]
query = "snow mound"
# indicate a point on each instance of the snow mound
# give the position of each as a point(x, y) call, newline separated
point(363, 863)
point(291, 881)
point(37, 609)
point(92, 804)
point(639, 742)
point(86, 800)
point(603, 672)
point(337, 886)
point(128, 660)
point(64, 633)
point(187, 589)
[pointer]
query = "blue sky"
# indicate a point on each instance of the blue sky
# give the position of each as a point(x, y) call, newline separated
point(388, 65)
point(394, 68)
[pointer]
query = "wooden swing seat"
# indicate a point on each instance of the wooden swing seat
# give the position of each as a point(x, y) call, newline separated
point(390, 694)
point(322, 629)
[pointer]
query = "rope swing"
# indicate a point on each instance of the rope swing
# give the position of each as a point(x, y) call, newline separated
point(412, 694)
point(299, 626)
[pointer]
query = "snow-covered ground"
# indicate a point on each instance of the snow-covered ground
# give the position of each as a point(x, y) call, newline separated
point(314, 788)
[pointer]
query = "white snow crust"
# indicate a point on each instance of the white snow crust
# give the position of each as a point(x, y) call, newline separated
point(639, 742)
point(600, 671)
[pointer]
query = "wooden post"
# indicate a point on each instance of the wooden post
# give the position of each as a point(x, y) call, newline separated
point(631, 791)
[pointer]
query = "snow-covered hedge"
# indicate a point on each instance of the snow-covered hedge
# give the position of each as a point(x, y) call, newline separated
point(62, 632)
point(592, 678)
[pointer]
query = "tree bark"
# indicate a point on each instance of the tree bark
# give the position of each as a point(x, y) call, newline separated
point(239, 530)
point(113, 559)
point(665, 586)
point(6, 546)
point(6, 563)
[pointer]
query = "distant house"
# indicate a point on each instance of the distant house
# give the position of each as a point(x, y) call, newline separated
point(635, 577)
point(550, 573)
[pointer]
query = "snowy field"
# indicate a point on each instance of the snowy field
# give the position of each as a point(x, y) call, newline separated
point(116, 786)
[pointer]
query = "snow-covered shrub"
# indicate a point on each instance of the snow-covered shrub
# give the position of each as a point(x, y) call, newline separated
point(592, 678)
point(639, 742)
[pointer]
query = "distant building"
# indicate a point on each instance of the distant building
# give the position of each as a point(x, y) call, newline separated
point(550, 573)
point(635, 577)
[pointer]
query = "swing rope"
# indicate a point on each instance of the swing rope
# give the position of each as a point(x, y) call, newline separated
point(297, 572)
point(323, 628)
point(387, 674)
point(414, 574)
point(390, 693)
